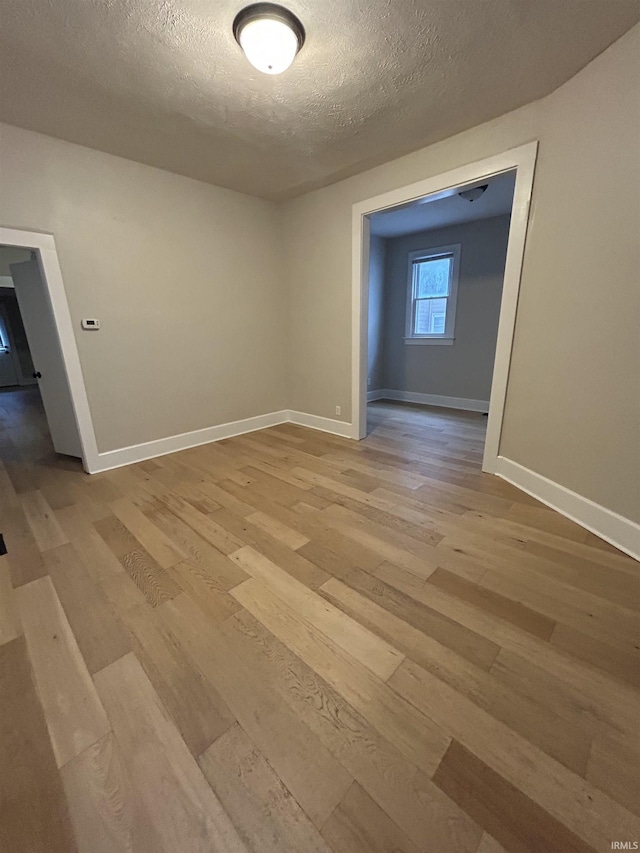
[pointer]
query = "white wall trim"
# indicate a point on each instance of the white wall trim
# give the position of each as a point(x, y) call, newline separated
point(608, 525)
point(174, 443)
point(430, 400)
point(342, 428)
point(45, 247)
point(523, 160)
point(372, 396)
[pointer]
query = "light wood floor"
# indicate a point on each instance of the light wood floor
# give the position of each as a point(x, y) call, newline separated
point(290, 641)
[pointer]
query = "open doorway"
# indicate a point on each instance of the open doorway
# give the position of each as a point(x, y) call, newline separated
point(35, 394)
point(428, 309)
point(16, 365)
point(436, 270)
point(36, 406)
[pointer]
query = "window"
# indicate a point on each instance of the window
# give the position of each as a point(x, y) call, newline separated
point(431, 295)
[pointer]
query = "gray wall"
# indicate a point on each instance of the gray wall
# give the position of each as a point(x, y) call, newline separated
point(465, 368)
point(573, 408)
point(375, 370)
point(186, 279)
point(10, 255)
point(255, 294)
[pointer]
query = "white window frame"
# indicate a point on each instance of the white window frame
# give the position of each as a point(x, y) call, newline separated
point(447, 337)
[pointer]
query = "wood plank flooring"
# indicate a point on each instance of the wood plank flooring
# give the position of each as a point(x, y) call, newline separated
point(289, 642)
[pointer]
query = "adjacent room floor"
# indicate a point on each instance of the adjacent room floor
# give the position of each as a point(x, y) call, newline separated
point(290, 641)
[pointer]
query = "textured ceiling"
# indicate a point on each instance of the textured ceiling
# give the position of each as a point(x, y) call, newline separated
point(450, 210)
point(163, 81)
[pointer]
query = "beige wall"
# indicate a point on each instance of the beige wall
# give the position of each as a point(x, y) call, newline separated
point(185, 278)
point(318, 256)
point(573, 403)
point(216, 306)
point(465, 368)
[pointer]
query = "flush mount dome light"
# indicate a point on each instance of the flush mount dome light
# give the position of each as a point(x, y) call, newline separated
point(474, 193)
point(269, 35)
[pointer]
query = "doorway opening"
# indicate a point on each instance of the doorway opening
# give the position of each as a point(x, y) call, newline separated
point(36, 408)
point(41, 376)
point(16, 365)
point(413, 294)
point(436, 270)
point(25, 432)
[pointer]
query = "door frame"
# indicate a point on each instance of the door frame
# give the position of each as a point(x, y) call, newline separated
point(45, 248)
point(521, 159)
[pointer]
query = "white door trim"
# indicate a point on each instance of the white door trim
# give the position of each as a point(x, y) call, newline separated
point(522, 159)
point(45, 247)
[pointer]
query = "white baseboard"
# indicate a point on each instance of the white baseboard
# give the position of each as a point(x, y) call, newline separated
point(160, 447)
point(171, 444)
point(608, 525)
point(619, 531)
point(430, 400)
point(323, 424)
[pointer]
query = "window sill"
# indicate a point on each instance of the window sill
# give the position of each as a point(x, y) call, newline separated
point(422, 341)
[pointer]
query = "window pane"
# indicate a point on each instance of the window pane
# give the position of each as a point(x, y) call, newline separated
point(432, 277)
point(430, 317)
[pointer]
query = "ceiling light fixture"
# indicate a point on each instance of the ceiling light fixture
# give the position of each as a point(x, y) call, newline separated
point(474, 193)
point(269, 35)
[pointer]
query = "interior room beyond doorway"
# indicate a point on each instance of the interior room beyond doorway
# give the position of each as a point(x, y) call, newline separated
point(30, 349)
point(436, 271)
